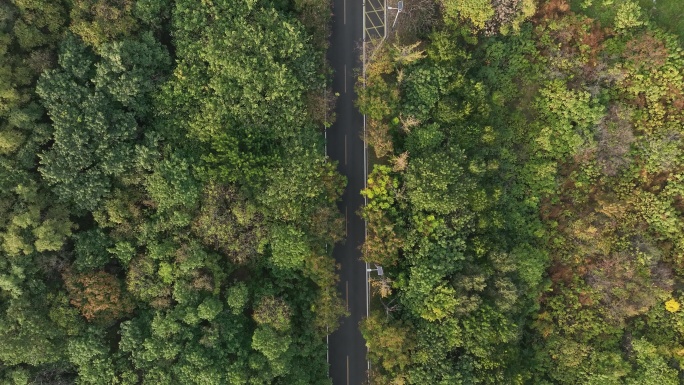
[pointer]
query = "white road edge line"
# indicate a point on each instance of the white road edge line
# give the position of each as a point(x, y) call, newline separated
point(325, 143)
point(365, 178)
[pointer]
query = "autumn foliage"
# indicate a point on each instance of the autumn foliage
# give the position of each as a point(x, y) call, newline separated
point(98, 296)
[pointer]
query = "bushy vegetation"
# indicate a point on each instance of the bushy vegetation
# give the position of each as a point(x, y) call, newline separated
point(527, 206)
point(166, 207)
point(166, 203)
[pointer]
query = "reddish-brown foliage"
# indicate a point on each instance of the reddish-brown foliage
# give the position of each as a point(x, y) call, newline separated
point(615, 138)
point(594, 42)
point(654, 182)
point(646, 52)
point(676, 96)
point(549, 211)
point(626, 287)
point(504, 12)
point(560, 273)
point(98, 296)
point(585, 299)
point(553, 9)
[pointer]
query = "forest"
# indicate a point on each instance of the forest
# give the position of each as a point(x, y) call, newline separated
point(165, 206)
point(527, 197)
point(167, 210)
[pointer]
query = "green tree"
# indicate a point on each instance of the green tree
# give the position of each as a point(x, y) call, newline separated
point(438, 183)
point(289, 248)
point(102, 21)
point(651, 367)
point(96, 127)
point(390, 344)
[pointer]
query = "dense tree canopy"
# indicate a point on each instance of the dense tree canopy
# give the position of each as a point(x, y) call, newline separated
point(165, 207)
point(526, 204)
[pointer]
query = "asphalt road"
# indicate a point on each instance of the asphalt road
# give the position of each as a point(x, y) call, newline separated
point(347, 349)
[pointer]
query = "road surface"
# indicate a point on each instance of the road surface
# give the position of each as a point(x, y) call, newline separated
point(347, 349)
